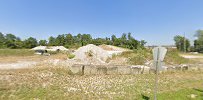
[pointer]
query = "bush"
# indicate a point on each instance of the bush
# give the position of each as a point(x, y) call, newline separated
point(71, 56)
point(138, 56)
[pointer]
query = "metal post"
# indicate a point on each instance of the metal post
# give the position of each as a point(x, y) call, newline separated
point(156, 75)
point(184, 44)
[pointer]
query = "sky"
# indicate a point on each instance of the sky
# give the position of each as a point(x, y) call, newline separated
point(155, 21)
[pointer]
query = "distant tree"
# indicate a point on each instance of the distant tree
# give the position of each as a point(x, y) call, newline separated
point(52, 41)
point(86, 39)
point(10, 44)
point(18, 43)
point(99, 41)
point(133, 44)
point(2, 40)
point(129, 36)
point(43, 42)
point(180, 42)
point(123, 40)
point(199, 35)
point(10, 37)
point(79, 36)
point(198, 43)
point(69, 39)
point(117, 42)
point(30, 42)
point(113, 39)
point(13, 42)
point(142, 43)
point(60, 40)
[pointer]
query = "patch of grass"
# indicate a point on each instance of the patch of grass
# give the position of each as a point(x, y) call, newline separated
point(49, 83)
point(71, 56)
point(172, 56)
point(16, 52)
point(183, 94)
point(138, 56)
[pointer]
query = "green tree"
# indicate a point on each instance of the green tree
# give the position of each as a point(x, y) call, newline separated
point(198, 43)
point(60, 40)
point(30, 42)
point(142, 43)
point(13, 42)
point(129, 36)
point(182, 43)
point(43, 42)
point(113, 39)
point(99, 41)
point(52, 41)
point(86, 39)
point(69, 39)
point(2, 40)
point(10, 37)
point(199, 35)
point(123, 40)
point(18, 43)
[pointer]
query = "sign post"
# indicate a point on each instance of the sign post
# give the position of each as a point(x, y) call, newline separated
point(158, 56)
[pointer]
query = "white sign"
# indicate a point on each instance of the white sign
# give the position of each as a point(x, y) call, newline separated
point(159, 65)
point(159, 53)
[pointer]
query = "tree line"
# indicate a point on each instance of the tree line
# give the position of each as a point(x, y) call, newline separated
point(183, 44)
point(70, 41)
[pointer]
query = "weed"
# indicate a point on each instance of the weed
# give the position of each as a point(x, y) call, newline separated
point(71, 56)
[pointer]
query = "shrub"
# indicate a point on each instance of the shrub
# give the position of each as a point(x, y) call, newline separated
point(71, 56)
point(140, 56)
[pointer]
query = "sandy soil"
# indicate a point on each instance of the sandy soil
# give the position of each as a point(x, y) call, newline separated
point(17, 62)
point(192, 56)
point(197, 58)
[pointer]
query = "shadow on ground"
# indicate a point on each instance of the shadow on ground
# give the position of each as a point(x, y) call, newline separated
point(145, 97)
point(199, 90)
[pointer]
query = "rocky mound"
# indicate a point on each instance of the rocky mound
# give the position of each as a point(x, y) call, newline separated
point(91, 54)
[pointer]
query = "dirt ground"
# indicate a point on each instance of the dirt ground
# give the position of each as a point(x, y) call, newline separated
point(15, 62)
point(195, 57)
point(46, 82)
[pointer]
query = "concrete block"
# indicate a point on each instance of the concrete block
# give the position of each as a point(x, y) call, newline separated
point(77, 69)
point(112, 70)
point(125, 70)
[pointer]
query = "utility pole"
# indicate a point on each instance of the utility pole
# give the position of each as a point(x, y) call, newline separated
point(156, 74)
point(184, 44)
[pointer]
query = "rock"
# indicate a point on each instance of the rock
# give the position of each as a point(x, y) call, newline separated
point(193, 96)
point(91, 54)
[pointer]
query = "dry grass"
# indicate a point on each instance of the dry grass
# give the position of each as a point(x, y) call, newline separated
point(16, 52)
point(51, 82)
point(58, 83)
point(32, 57)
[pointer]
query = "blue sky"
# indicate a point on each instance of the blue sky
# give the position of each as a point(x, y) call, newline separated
point(156, 21)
